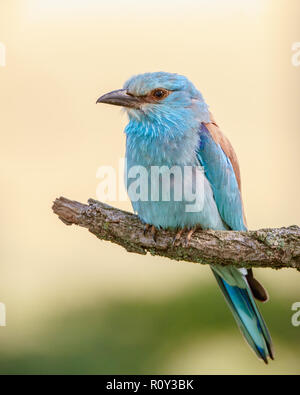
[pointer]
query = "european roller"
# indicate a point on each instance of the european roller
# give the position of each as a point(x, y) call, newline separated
point(170, 125)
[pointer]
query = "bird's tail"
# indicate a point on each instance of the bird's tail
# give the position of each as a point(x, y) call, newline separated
point(241, 302)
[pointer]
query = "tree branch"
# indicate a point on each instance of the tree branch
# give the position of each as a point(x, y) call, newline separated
point(274, 248)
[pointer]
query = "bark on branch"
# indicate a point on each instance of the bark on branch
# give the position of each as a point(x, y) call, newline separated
point(274, 248)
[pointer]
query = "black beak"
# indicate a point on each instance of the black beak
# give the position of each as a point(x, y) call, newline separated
point(120, 97)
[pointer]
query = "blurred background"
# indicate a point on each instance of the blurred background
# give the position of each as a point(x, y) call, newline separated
point(79, 305)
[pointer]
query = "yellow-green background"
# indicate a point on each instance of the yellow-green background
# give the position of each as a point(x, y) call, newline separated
point(78, 305)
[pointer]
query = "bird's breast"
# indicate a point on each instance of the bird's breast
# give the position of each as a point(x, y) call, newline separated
point(166, 184)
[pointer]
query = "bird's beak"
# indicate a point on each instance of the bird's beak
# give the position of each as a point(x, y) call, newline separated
point(120, 97)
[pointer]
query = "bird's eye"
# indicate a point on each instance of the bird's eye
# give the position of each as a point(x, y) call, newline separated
point(159, 94)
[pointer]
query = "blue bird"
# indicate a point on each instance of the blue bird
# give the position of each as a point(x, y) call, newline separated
point(171, 127)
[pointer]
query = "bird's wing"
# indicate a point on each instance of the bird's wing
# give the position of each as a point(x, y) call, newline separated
point(221, 168)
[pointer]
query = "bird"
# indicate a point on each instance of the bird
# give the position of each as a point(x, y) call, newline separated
point(170, 125)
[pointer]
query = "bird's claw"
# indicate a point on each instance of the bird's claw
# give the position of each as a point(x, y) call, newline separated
point(189, 236)
point(153, 231)
point(146, 228)
point(177, 237)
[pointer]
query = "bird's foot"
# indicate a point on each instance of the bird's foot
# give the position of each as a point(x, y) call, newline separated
point(177, 238)
point(189, 236)
point(152, 230)
point(146, 228)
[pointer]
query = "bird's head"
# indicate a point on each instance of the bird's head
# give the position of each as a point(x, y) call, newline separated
point(159, 98)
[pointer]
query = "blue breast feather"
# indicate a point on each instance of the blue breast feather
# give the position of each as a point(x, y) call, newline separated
point(179, 151)
point(222, 200)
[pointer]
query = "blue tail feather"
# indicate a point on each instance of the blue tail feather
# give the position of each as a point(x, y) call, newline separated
point(248, 317)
